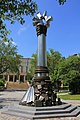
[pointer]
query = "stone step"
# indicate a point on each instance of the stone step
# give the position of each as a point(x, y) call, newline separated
point(75, 113)
point(17, 86)
point(18, 114)
point(32, 112)
point(38, 113)
point(72, 114)
point(68, 110)
point(58, 107)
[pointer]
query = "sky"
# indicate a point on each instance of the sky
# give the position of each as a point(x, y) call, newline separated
point(63, 35)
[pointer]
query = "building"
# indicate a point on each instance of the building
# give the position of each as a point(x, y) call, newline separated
point(21, 77)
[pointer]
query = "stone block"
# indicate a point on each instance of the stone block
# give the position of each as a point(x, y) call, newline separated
point(48, 103)
point(41, 98)
point(38, 103)
point(39, 87)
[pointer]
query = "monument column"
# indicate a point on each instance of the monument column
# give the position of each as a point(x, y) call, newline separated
point(41, 55)
point(40, 92)
point(41, 71)
point(41, 82)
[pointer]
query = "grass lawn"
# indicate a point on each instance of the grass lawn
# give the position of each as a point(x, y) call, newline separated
point(69, 97)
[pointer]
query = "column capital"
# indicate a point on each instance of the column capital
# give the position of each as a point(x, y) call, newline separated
point(41, 29)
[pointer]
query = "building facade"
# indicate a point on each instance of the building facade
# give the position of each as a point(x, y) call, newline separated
point(23, 69)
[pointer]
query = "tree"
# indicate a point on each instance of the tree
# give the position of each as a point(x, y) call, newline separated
point(9, 59)
point(33, 64)
point(13, 10)
point(53, 59)
point(69, 72)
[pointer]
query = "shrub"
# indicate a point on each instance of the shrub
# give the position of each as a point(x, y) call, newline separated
point(2, 82)
point(74, 86)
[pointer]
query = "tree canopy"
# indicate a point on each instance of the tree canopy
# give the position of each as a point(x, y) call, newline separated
point(9, 59)
point(15, 10)
point(69, 68)
point(53, 59)
point(61, 69)
point(69, 72)
point(12, 10)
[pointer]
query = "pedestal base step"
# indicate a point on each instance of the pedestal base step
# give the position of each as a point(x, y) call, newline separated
point(64, 110)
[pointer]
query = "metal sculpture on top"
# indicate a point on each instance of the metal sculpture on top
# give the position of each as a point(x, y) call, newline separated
point(42, 19)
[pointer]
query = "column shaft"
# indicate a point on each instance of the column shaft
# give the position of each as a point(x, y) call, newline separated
point(8, 78)
point(41, 57)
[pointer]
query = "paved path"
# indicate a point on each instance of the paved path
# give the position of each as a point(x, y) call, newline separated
point(7, 98)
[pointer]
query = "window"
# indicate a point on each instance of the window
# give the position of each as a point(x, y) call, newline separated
point(21, 69)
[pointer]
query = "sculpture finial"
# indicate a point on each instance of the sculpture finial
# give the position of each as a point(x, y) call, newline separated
point(42, 19)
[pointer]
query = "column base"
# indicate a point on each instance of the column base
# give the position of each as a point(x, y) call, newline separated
point(42, 87)
point(40, 93)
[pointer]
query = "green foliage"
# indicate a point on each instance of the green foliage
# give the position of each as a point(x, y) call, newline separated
point(9, 59)
point(69, 68)
point(70, 97)
point(33, 64)
point(69, 72)
point(2, 82)
point(15, 10)
point(74, 85)
point(12, 10)
point(53, 59)
point(61, 2)
point(29, 76)
point(66, 70)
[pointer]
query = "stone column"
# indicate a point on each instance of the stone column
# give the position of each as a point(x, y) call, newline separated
point(24, 78)
point(19, 78)
point(8, 78)
point(13, 78)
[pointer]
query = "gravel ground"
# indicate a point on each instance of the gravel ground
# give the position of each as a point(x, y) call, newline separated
point(12, 97)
